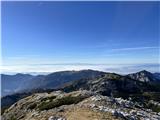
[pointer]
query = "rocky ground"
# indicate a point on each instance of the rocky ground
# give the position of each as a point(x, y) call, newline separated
point(78, 105)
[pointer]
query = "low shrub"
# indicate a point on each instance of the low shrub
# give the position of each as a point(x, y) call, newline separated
point(154, 108)
point(32, 106)
point(67, 100)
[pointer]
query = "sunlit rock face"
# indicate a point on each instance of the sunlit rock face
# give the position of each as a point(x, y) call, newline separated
point(144, 76)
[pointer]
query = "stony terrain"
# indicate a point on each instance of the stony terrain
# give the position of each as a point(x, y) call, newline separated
point(77, 105)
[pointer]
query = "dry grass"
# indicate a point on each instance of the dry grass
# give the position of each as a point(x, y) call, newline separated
point(87, 114)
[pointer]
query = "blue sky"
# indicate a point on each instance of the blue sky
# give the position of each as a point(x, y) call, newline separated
point(46, 34)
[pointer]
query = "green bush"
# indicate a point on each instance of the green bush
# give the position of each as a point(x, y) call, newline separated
point(32, 106)
point(154, 108)
point(59, 102)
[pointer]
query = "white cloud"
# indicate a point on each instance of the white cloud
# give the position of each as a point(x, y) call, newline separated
point(135, 48)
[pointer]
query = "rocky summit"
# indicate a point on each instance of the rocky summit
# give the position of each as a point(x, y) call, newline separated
point(77, 105)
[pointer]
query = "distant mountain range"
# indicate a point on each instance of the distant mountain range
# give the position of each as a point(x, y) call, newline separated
point(25, 82)
point(14, 83)
point(140, 86)
point(22, 82)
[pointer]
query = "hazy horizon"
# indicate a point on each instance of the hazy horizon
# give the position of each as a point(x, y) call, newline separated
point(120, 69)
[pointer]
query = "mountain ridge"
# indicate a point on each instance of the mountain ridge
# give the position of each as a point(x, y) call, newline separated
point(104, 83)
point(42, 81)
